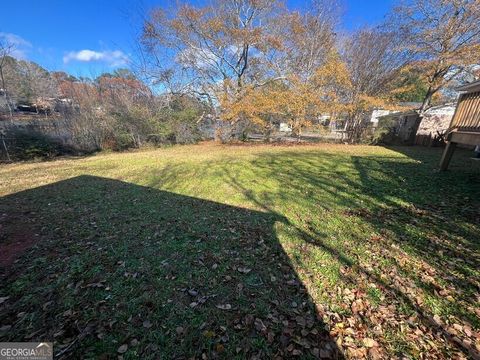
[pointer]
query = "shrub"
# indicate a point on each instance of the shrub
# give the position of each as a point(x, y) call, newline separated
point(123, 141)
point(384, 133)
point(27, 145)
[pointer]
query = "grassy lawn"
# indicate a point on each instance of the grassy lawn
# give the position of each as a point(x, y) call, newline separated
point(210, 251)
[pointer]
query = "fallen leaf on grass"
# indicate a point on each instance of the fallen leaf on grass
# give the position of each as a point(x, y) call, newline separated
point(244, 270)
point(369, 343)
point(375, 353)
point(134, 342)
point(209, 334)
point(147, 324)
point(122, 349)
point(467, 330)
point(192, 292)
point(3, 299)
point(270, 337)
point(260, 326)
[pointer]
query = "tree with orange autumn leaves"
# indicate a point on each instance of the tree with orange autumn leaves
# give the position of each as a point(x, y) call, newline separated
point(294, 101)
point(258, 62)
point(252, 60)
point(444, 37)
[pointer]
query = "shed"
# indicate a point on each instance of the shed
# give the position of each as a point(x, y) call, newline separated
point(400, 125)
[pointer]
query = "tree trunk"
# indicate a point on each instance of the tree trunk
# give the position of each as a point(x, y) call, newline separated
point(7, 100)
point(421, 112)
point(6, 150)
point(352, 128)
point(426, 101)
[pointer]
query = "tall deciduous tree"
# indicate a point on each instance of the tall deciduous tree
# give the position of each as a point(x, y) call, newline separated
point(253, 59)
point(445, 37)
point(306, 40)
point(374, 59)
point(295, 101)
point(208, 50)
point(5, 50)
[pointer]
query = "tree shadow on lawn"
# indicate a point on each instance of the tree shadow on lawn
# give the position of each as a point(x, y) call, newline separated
point(438, 226)
point(169, 276)
point(414, 235)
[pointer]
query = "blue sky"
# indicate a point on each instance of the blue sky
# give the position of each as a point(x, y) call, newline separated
point(88, 37)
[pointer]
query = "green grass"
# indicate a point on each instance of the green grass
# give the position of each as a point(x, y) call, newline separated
point(236, 251)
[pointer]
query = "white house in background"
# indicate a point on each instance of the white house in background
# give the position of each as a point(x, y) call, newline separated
point(378, 113)
point(285, 127)
point(324, 120)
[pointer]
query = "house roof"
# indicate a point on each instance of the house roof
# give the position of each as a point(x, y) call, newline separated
point(410, 104)
point(398, 114)
point(473, 86)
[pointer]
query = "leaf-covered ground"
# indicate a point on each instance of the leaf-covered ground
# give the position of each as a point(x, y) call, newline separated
point(211, 251)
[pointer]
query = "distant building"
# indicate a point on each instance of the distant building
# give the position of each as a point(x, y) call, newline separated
point(377, 113)
point(432, 128)
point(285, 127)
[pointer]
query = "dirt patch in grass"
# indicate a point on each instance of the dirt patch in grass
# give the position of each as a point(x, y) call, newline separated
point(17, 237)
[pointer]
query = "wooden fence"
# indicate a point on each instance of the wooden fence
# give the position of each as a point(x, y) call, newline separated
point(429, 140)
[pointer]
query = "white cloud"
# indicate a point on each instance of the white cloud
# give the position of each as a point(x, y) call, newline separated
point(112, 58)
point(19, 46)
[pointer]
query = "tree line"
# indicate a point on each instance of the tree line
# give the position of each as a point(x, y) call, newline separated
point(112, 111)
point(254, 63)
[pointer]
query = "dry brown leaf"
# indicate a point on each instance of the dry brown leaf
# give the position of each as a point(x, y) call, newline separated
point(147, 324)
point(369, 343)
point(122, 349)
point(134, 342)
point(3, 299)
point(260, 326)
